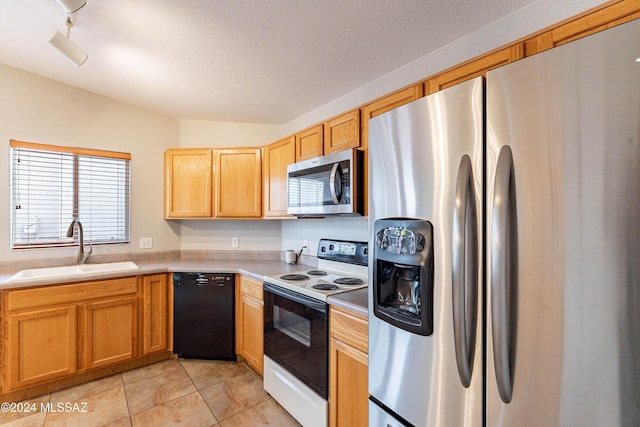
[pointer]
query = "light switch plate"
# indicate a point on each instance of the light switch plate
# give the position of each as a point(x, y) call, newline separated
point(146, 242)
point(235, 242)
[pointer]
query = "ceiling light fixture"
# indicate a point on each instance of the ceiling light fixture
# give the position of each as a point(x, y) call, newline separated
point(68, 48)
point(63, 43)
point(72, 6)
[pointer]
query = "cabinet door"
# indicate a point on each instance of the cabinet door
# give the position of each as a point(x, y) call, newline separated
point(253, 326)
point(250, 321)
point(591, 23)
point(187, 183)
point(474, 68)
point(348, 384)
point(111, 331)
point(238, 182)
point(309, 143)
point(155, 294)
point(342, 132)
point(348, 395)
point(41, 346)
point(277, 157)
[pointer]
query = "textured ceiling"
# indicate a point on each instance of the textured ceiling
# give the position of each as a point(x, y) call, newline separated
point(258, 61)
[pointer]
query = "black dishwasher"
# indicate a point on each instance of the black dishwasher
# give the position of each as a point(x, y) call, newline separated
point(203, 316)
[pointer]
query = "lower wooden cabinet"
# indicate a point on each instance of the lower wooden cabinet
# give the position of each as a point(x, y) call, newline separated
point(250, 322)
point(111, 332)
point(155, 316)
point(348, 386)
point(40, 346)
point(58, 333)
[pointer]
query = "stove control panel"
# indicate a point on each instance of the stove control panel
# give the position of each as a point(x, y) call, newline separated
point(343, 251)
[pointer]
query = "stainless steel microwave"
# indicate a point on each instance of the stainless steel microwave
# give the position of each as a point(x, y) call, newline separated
point(327, 185)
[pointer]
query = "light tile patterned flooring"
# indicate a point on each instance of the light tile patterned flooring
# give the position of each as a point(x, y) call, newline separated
point(176, 392)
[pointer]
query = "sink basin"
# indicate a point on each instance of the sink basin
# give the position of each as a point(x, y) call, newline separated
point(72, 271)
point(109, 267)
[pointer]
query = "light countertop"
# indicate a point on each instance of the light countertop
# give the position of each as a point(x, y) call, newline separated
point(355, 301)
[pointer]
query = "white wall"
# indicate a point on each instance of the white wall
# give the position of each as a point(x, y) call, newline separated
point(37, 109)
point(263, 235)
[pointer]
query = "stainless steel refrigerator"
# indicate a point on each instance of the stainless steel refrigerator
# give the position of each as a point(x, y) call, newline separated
point(505, 233)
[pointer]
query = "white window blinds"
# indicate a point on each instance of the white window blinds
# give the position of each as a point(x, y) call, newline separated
point(51, 186)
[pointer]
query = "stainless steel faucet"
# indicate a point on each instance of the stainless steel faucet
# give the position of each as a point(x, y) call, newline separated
point(82, 255)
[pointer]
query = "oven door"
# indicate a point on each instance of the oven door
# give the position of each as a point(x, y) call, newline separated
point(296, 335)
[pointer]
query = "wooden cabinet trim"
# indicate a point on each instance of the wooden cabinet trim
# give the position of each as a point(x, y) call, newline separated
point(474, 68)
point(68, 294)
point(251, 287)
point(583, 25)
point(349, 328)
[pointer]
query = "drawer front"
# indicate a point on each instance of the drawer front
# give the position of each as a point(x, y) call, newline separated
point(69, 294)
point(349, 329)
point(251, 287)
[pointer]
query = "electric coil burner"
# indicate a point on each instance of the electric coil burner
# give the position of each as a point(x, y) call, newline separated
point(317, 273)
point(341, 268)
point(350, 281)
point(295, 277)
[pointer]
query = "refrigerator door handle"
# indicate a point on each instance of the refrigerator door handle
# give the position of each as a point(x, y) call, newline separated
point(504, 274)
point(464, 277)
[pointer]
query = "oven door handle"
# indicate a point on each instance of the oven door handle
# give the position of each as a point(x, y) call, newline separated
point(296, 297)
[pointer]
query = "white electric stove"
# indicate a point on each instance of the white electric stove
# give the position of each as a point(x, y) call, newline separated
point(296, 328)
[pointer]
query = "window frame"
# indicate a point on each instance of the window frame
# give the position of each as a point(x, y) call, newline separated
point(77, 195)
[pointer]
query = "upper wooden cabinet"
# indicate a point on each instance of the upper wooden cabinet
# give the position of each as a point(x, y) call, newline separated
point(187, 183)
point(342, 132)
point(207, 183)
point(385, 104)
point(598, 20)
point(274, 176)
point(474, 68)
point(238, 183)
point(309, 143)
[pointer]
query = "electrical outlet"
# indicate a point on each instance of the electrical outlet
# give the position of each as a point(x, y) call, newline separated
point(306, 243)
point(146, 243)
point(234, 242)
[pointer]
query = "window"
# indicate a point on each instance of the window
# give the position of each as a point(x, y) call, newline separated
point(51, 186)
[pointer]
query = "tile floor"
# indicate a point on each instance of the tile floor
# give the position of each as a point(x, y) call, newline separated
point(176, 392)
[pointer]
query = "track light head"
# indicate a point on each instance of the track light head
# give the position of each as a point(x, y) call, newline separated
point(69, 49)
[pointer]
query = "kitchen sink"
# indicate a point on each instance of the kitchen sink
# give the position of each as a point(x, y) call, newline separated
point(72, 271)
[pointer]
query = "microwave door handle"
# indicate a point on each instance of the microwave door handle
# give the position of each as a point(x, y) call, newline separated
point(332, 183)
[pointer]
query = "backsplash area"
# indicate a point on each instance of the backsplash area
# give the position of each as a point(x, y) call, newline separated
point(295, 232)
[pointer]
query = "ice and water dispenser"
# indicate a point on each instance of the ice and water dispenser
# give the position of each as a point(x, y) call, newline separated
point(403, 273)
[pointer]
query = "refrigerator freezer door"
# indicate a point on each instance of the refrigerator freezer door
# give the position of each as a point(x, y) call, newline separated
point(414, 155)
point(571, 117)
